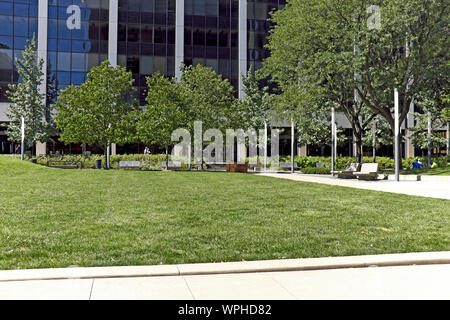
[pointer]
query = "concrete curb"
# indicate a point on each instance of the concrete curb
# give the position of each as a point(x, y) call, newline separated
point(383, 260)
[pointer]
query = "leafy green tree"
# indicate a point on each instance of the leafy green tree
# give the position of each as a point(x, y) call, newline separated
point(164, 112)
point(28, 101)
point(330, 48)
point(99, 111)
point(209, 97)
point(430, 103)
point(253, 110)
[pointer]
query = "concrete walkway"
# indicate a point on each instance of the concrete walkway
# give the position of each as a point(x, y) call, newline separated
point(434, 189)
point(396, 276)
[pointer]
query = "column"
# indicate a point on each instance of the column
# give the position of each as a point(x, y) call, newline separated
point(112, 31)
point(410, 124)
point(41, 148)
point(242, 44)
point(112, 42)
point(179, 37)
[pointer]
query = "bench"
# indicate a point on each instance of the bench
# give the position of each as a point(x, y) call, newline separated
point(287, 165)
point(368, 171)
point(172, 165)
point(321, 164)
point(129, 164)
point(219, 166)
point(348, 172)
point(64, 164)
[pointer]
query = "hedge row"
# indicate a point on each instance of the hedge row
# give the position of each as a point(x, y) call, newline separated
point(316, 170)
point(154, 161)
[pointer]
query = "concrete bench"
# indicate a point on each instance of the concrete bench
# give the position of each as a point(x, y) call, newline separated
point(129, 164)
point(219, 166)
point(348, 172)
point(368, 171)
point(64, 164)
point(172, 165)
point(287, 165)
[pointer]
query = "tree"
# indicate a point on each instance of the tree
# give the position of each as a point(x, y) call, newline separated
point(164, 113)
point(253, 110)
point(210, 97)
point(338, 49)
point(311, 63)
point(99, 111)
point(431, 104)
point(28, 101)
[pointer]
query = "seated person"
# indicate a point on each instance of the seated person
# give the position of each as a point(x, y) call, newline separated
point(417, 164)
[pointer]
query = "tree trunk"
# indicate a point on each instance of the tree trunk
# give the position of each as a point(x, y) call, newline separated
point(167, 157)
point(357, 133)
point(400, 165)
point(106, 157)
point(322, 151)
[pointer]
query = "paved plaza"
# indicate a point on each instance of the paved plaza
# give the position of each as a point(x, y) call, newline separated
point(390, 276)
point(433, 187)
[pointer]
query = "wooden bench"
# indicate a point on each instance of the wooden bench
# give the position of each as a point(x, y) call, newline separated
point(348, 172)
point(368, 171)
point(64, 164)
point(129, 164)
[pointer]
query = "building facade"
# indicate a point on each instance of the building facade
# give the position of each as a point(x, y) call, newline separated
point(145, 36)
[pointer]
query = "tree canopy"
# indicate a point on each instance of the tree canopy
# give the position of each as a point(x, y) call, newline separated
point(99, 111)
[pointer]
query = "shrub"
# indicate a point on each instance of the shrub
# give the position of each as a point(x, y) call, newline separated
point(316, 170)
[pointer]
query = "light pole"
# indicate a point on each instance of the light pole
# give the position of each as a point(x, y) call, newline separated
point(396, 128)
point(333, 140)
point(374, 145)
point(265, 145)
point(429, 140)
point(292, 145)
point(22, 149)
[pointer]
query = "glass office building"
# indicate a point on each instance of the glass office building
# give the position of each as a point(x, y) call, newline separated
point(145, 36)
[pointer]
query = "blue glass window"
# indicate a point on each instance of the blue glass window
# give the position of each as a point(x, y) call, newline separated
point(20, 10)
point(7, 25)
point(20, 26)
point(6, 8)
point(32, 27)
point(33, 11)
point(64, 61)
point(52, 28)
point(63, 78)
point(64, 45)
point(6, 42)
point(77, 78)
point(51, 61)
point(20, 43)
point(78, 62)
point(52, 45)
point(53, 12)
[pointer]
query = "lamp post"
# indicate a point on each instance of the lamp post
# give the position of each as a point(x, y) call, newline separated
point(374, 145)
point(22, 149)
point(396, 128)
point(429, 140)
point(265, 145)
point(292, 145)
point(333, 140)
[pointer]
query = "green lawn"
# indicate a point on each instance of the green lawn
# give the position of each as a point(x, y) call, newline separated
point(432, 172)
point(59, 218)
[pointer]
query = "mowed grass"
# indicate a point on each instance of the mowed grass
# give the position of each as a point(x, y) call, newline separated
point(432, 172)
point(60, 218)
